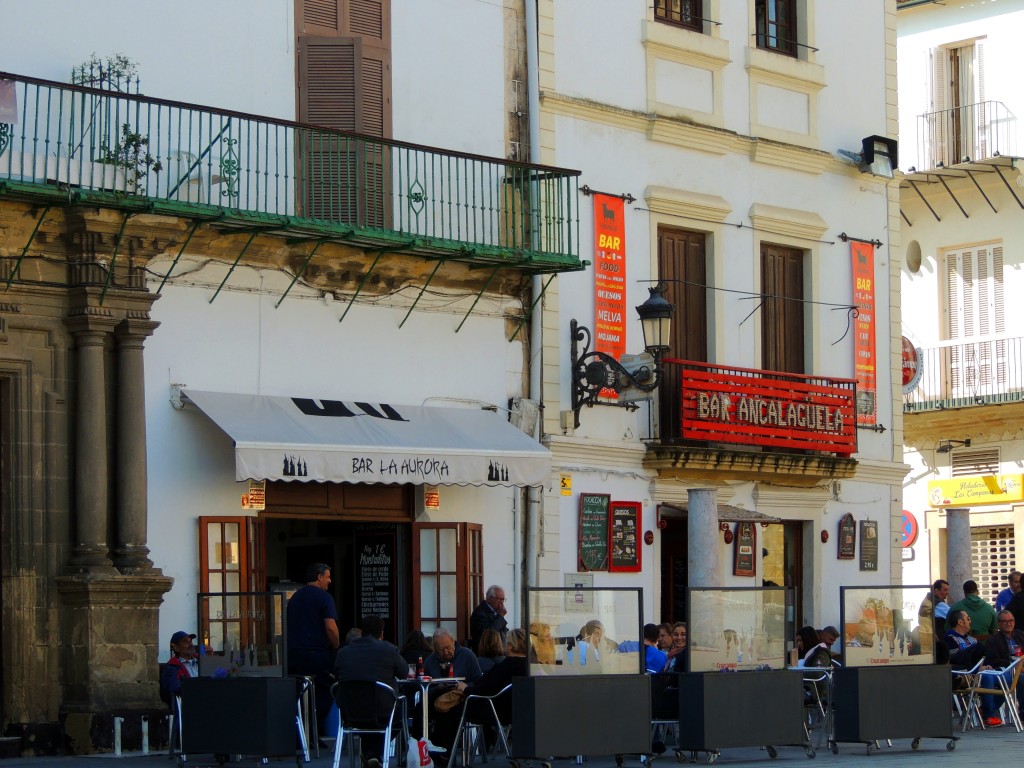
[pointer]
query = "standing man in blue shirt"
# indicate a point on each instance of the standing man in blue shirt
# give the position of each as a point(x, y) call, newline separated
point(313, 636)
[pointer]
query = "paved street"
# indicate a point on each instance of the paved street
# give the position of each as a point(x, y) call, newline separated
point(975, 748)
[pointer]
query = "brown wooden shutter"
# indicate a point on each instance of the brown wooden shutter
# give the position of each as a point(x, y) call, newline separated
point(782, 327)
point(319, 17)
point(682, 263)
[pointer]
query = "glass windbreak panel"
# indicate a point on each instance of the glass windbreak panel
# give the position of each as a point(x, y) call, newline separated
point(586, 631)
point(736, 628)
point(242, 634)
point(886, 625)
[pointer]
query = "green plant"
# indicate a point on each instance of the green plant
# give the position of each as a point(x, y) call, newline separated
point(114, 73)
point(131, 152)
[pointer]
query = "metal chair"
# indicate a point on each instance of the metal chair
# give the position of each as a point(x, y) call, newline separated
point(364, 707)
point(1004, 688)
point(305, 705)
point(469, 736)
point(964, 682)
point(817, 702)
point(174, 729)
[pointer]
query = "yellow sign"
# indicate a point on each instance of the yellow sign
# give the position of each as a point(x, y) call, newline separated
point(976, 490)
point(566, 485)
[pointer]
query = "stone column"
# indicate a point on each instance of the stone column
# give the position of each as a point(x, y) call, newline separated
point(91, 550)
point(958, 551)
point(703, 538)
point(131, 554)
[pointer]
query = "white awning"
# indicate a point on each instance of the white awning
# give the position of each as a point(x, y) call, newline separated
point(305, 440)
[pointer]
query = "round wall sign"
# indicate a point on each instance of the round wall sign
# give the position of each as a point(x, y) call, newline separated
point(910, 529)
point(912, 368)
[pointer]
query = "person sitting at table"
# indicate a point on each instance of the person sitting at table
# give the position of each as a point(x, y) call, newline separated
point(445, 724)
point(587, 645)
point(182, 664)
point(415, 647)
point(449, 659)
point(491, 651)
point(964, 649)
point(369, 658)
point(664, 636)
point(1001, 650)
point(677, 653)
point(811, 652)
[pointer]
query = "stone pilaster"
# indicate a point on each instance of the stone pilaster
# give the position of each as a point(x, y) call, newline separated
point(91, 329)
point(131, 554)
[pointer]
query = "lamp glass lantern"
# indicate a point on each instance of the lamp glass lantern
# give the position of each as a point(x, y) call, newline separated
point(656, 321)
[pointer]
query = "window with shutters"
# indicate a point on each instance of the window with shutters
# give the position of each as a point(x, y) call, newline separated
point(782, 308)
point(959, 123)
point(447, 576)
point(777, 26)
point(344, 66)
point(680, 13)
point(977, 361)
point(993, 556)
point(682, 264)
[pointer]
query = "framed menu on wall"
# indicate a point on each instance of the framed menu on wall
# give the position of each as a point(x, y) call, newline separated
point(376, 555)
point(868, 545)
point(593, 532)
point(847, 537)
point(624, 536)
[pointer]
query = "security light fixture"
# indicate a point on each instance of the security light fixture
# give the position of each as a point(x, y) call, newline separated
point(945, 446)
point(594, 371)
point(878, 156)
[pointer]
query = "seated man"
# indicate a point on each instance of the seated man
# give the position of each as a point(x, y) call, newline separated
point(183, 663)
point(369, 658)
point(450, 660)
point(964, 653)
point(1001, 650)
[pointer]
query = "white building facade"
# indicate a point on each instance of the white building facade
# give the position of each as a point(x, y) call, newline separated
point(961, 199)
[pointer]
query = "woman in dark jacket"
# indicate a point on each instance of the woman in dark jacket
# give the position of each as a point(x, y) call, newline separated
point(488, 684)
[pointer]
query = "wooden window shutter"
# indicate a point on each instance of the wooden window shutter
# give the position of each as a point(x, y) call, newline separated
point(682, 263)
point(319, 17)
point(782, 327)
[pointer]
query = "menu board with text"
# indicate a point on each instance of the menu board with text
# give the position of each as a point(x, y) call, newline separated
point(623, 536)
point(593, 532)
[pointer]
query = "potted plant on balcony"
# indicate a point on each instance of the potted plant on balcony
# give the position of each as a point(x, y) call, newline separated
point(121, 145)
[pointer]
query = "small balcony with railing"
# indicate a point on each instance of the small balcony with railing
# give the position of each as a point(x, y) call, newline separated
point(68, 145)
point(968, 373)
point(966, 134)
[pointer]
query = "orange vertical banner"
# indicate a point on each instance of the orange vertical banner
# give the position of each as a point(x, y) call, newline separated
point(863, 255)
point(609, 278)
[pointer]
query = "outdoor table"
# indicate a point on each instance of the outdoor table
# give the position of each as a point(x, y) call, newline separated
point(424, 684)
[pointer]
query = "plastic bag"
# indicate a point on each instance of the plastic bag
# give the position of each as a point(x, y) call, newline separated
point(419, 747)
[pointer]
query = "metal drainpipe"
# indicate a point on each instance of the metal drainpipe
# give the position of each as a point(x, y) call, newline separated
point(532, 508)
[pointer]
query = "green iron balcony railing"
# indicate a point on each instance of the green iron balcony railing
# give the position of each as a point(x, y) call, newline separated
point(80, 144)
point(963, 373)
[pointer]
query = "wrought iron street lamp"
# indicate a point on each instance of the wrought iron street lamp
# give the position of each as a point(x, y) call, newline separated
point(594, 371)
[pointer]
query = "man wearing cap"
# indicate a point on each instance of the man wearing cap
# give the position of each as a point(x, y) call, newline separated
point(182, 664)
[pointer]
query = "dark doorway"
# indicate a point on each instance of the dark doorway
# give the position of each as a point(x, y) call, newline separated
point(674, 570)
point(369, 566)
point(783, 563)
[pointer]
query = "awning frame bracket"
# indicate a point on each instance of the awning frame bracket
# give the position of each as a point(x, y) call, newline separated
point(980, 190)
point(422, 291)
point(486, 285)
point(529, 311)
point(181, 251)
point(24, 251)
point(923, 200)
point(942, 181)
point(362, 282)
point(1008, 187)
point(301, 272)
point(252, 236)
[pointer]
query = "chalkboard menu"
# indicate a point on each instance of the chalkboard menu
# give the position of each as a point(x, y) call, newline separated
point(375, 571)
point(593, 532)
point(868, 545)
point(745, 546)
point(623, 526)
